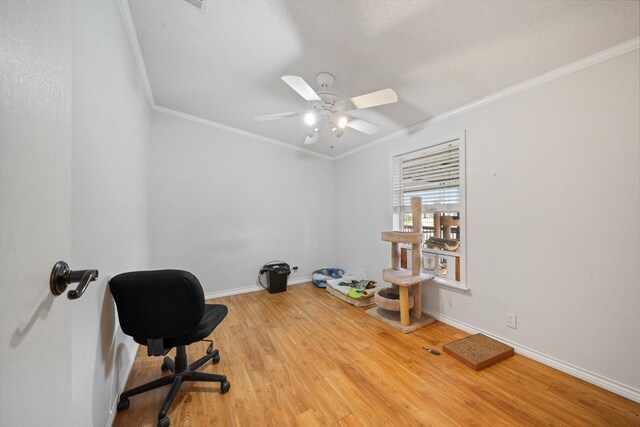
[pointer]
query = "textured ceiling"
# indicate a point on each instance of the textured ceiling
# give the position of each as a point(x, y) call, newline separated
point(223, 62)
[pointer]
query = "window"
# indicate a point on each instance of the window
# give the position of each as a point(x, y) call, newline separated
point(435, 173)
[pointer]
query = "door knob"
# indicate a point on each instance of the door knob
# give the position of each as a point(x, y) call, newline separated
point(62, 276)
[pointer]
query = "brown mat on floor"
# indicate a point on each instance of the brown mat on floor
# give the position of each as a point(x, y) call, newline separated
point(478, 351)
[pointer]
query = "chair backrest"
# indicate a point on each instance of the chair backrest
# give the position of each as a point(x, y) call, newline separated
point(158, 304)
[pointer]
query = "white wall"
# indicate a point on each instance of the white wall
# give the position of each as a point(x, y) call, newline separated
point(553, 186)
point(110, 150)
point(224, 204)
point(35, 146)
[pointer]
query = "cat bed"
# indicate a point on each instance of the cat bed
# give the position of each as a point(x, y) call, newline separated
point(353, 290)
point(320, 276)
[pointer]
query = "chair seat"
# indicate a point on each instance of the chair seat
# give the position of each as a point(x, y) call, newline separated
point(213, 315)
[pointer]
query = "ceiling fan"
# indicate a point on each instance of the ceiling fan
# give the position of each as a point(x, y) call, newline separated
point(328, 109)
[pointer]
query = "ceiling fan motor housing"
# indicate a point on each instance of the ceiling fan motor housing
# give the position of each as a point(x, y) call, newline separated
point(324, 79)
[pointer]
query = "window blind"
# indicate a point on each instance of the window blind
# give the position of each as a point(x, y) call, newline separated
point(432, 173)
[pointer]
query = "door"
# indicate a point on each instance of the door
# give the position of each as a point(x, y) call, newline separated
point(35, 147)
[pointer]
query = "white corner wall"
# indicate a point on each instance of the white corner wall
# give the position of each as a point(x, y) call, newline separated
point(110, 157)
point(553, 190)
point(223, 204)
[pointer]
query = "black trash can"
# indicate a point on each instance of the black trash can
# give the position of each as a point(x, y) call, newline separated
point(277, 273)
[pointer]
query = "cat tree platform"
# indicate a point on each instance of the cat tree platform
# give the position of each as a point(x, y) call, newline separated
point(405, 313)
point(404, 277)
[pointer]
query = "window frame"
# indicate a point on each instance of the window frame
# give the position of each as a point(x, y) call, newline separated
point(397, 213)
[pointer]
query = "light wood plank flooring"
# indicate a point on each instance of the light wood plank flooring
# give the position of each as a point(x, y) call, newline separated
point(308, 359)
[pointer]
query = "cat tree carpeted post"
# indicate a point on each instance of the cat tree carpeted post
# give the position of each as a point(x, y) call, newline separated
point(407, 283)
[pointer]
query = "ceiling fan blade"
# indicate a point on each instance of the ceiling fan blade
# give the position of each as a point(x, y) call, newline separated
point(277, 116)
point(313, 139)
point(368, 100)
point(298, 84)
point(363, 126)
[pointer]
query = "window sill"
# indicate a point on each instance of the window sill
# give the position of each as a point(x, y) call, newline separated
point(449, 284)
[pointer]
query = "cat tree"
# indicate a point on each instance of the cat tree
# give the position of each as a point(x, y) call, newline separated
point(401, 305)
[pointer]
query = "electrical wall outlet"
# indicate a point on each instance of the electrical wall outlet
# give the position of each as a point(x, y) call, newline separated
point(511, 320)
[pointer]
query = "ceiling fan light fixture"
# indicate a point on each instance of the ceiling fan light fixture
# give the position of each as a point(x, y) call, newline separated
point(342, 122)
point(310, 119)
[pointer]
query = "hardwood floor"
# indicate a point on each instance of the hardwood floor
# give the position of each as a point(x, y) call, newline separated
point(306, 358)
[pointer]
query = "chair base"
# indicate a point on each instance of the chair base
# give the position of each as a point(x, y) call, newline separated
point(180, 372)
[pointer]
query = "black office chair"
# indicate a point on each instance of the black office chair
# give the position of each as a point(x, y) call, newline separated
point(161, 310)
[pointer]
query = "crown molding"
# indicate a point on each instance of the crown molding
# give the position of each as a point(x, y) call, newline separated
point(127, 19)
point(578, 65)
point(237, 131)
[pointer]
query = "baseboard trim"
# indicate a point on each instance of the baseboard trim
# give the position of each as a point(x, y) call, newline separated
point(123, 383)
point(573, 370)
point(588, 376)
point(253, 288)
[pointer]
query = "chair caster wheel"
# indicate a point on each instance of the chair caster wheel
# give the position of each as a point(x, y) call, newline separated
point(224, 387)
point(164, 422)
point(216, 359)
point(123, 404)
point(210, 348)
point(164, 368)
